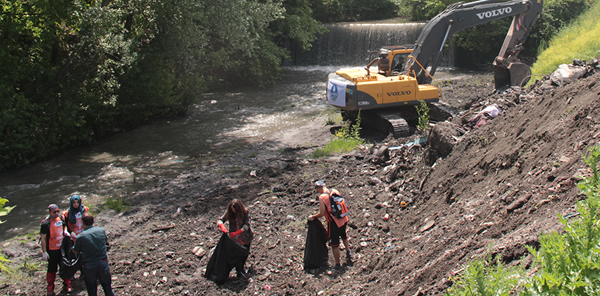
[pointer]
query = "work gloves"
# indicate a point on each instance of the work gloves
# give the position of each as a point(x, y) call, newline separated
point(223, 228)
point(45, 256)
point(237, 232)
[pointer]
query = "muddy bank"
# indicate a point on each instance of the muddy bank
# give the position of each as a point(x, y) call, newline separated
point(497, 187)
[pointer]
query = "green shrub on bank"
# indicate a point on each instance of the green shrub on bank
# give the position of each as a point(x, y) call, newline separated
point(346, 139)
point(577, 41)
point(566, 263)
point(487, 277)
point(117, 204)
point(3, 212)
point(570, 262)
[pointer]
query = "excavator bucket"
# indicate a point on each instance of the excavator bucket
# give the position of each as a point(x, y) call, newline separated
point(515, 74)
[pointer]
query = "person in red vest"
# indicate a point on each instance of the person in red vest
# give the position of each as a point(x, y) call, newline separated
point(52, 232)
point(336, 227)
point(72, 216)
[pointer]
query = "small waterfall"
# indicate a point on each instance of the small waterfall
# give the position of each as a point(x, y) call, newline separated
point(350, 44)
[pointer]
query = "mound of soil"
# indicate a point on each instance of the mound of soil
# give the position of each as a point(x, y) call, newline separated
point(450, 200)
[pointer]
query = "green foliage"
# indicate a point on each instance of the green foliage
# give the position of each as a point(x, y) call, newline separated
point(487, 277)
point(426, 9)
point(423, 113)
point(346, 139)
point(297, 25)
point(480, 44)
point(4, 210)
point(117, 204)
point(570, 262)
point(328, 11)
point(578, 40)
point(567, 263)
point(74, 71)
point(557, 14)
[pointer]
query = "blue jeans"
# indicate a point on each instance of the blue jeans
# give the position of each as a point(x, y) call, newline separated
point(97, 270)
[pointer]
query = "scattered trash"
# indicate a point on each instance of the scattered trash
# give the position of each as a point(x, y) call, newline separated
point(566, 74)
point(199, 252)
point(490, 112)
point(417, 141)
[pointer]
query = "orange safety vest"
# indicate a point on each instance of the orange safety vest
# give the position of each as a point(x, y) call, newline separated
point(325, 199)
point(78, 226)
point(55, 235)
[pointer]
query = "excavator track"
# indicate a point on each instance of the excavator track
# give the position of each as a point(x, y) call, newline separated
point(387, 122)
point(398, 121)
point(395, 124)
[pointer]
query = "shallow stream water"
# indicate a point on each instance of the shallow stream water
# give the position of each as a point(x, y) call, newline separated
point(219, 122)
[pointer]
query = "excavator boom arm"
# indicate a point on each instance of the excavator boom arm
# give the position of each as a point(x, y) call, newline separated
point(461, 16)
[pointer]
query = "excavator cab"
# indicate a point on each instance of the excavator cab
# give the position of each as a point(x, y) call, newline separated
point(399, 63)
point(392, 59)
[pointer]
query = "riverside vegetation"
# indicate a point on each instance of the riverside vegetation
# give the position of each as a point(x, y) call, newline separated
point(75, 71)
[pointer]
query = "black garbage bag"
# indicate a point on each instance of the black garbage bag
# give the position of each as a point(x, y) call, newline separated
point(70, 262)
point(315, 251)
point(227, 254)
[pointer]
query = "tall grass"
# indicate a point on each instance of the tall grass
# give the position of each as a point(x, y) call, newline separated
point(579, 40)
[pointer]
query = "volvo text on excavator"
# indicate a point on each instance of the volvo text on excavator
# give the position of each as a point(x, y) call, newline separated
point(386, 97)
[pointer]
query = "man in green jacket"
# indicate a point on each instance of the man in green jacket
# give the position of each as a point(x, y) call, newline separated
point(92, 244)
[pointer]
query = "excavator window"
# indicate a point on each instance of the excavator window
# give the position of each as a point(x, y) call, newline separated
point(398, 63)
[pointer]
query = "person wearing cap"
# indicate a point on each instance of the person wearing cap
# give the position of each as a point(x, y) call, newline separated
point(336, 227)
point(92, 243)
point(72, 216)
point(52, 232)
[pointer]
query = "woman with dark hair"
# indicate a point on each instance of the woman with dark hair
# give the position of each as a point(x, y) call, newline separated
point(239, 228)
point(233, 249)
point(72, 216)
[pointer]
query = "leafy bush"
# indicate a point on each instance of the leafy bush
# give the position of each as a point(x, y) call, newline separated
point(566, 263)
point(3, 212)
point(328, 11)
point(74, 71)
point(346, 139)
point(570, 262)
point(423, 114)
point(487, 277)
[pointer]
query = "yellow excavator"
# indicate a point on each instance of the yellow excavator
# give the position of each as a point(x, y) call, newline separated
point(386, 96)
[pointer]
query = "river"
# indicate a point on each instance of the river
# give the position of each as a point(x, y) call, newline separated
point(218, 123)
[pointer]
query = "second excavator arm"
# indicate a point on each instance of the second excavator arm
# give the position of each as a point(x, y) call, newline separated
point(457, 17)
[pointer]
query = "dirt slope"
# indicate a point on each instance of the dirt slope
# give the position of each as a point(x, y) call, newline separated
point(500, 187)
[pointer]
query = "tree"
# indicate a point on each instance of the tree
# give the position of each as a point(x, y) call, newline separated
point(73, 71)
